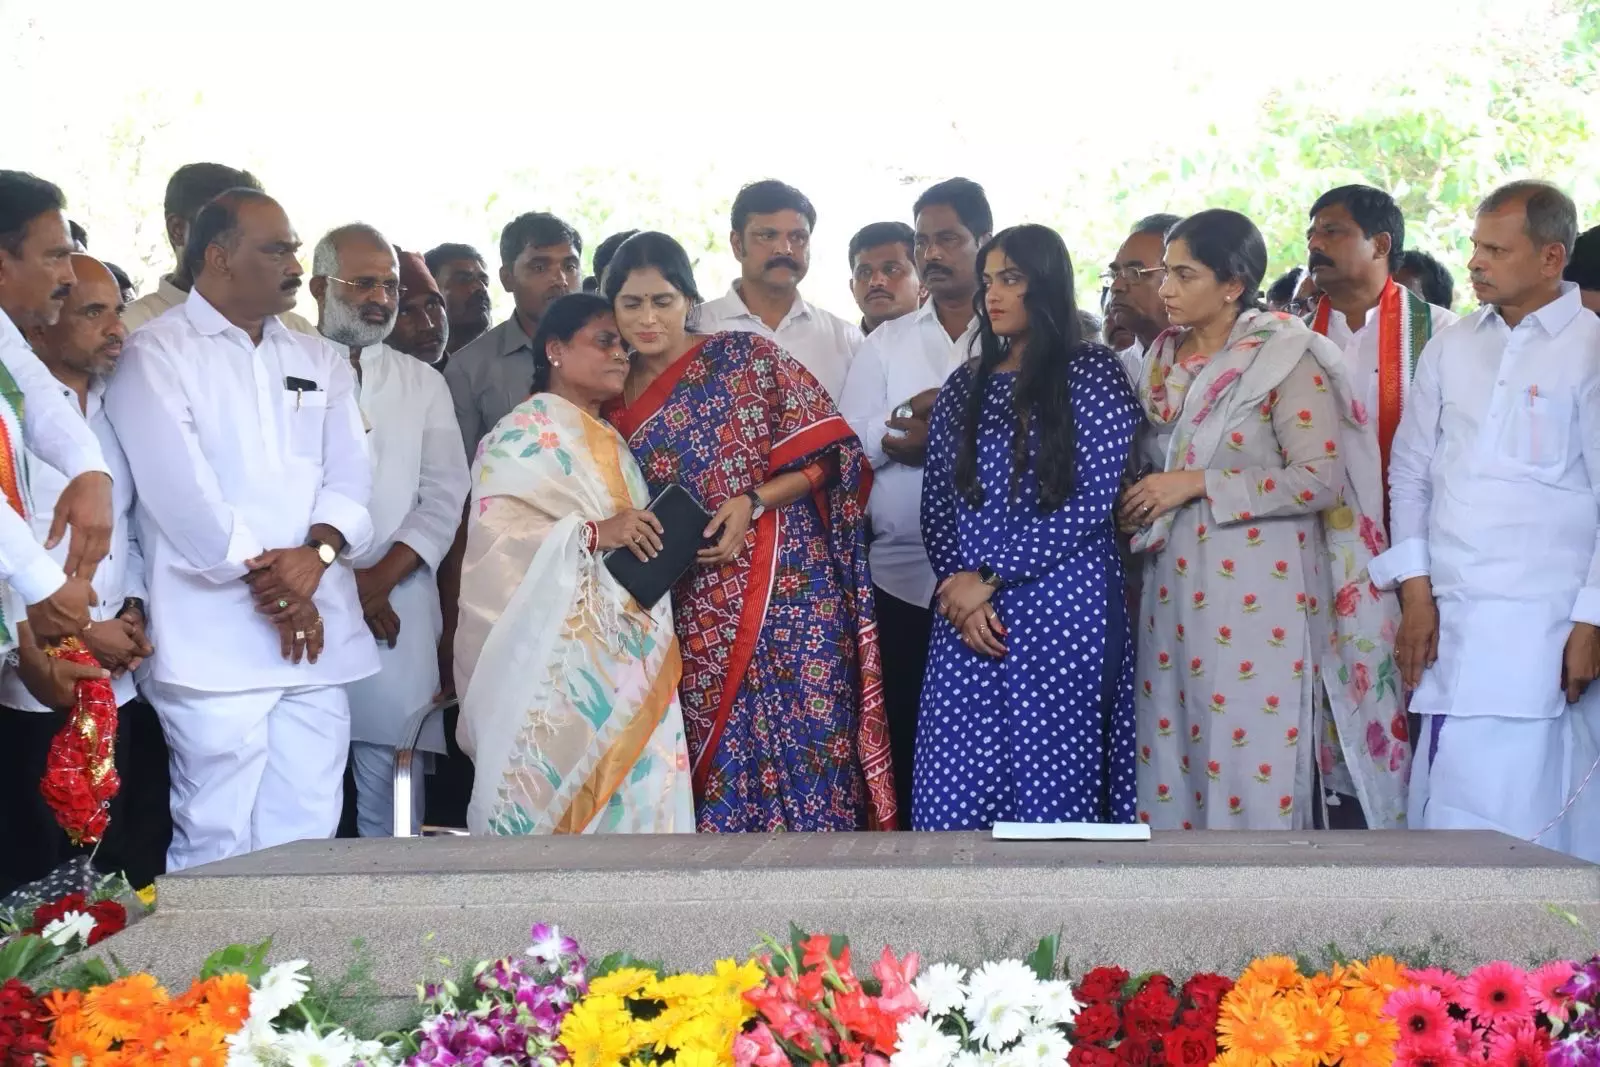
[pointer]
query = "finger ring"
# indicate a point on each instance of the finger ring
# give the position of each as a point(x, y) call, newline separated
point(282, 604)
point(299, 635)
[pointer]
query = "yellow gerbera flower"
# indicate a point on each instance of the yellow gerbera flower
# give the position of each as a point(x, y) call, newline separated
point(596, 1032)
point(625, 982)
point(737, 979)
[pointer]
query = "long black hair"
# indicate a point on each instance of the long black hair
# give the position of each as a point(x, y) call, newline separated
point(561, 321)
point(651, 248)
point(1042, 393)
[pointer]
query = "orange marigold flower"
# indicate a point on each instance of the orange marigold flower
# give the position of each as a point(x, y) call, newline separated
point(114, 1012)
point(1277, 972)
point(203, 1045)
point(227, 1002)
point(1319, 1029)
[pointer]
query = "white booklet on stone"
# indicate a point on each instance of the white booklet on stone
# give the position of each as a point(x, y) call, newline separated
point(1071, 831)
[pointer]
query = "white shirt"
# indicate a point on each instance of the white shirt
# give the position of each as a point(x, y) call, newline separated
point(230, 462)
point(1132, 359)
point(168, 296)
point(419, 486)
point(1361, 347)
point(821, 342)
point(1494, 494)
point(53, 429)
point(121, 574)
point(901, 358)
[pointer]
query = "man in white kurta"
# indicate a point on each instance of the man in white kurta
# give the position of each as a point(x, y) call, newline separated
point(419, 486)
point(247, 447)
point(1494, 484)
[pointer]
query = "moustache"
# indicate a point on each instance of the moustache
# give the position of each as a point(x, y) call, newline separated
point(432, 339)
point(61, 293)
point(290, 286)
point(933, 268)
point(871, 293)
point(1319, 260)
point(110, 348)
point(782, 261)
point(376, 311)
point(479, 300)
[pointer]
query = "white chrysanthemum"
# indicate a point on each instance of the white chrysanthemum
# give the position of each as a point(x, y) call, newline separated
point(281, 988)
point(966, 1059)
point(71, 926)
point(1056, 1003)
point(253, 1043)
point(1001, 996)
point(939, 987)
point(920, 1043)
point(303, 1048)
point(1043, 1046)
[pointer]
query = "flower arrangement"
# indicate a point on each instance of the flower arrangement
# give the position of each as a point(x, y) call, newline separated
point(1139, 1021)
point(1275, 1015)
point(515, 1011)
point(77, 918)
point(1580, 996)
point(35, 937)
point(1003, 1011)
point(1497, 1015)
point(636, 1015)
point(80, 776)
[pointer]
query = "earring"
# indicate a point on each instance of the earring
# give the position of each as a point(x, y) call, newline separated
point(555, 363)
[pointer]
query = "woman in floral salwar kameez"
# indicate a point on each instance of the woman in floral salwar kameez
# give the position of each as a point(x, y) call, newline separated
point(782, 693)
point(1265, 680)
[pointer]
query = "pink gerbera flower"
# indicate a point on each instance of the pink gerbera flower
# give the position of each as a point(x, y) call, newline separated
point(1448, 985)
point(1430, 1055)
point(1497, 995)
point(1422, 1016)
point(1544, 987)
point(1523, 1046)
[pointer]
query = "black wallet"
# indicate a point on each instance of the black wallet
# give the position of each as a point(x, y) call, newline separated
point(683, 524)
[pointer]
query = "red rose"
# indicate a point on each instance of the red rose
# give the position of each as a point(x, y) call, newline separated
point(1137, 1051)
point(1096, 1022)
point(1083, 1055)
point(1149, 1012)
point(1158, 982)
point(1189, 1047)
point(1205, 991)
point(1102, 983)
point(45, 914)
point(109, 918)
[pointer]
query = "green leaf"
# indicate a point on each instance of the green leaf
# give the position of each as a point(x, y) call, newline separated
point(620, 960)
point(248, 960)
point(28, 955)
point(1042, 960)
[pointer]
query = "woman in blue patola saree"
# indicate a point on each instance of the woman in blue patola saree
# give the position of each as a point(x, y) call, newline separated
point(782, 693)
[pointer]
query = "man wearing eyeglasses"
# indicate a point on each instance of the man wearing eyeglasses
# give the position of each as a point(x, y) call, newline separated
point(419, 486)
point(1133, 281)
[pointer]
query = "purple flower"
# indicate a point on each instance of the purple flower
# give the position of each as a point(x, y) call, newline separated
point(548, 944)
point(1582, 1052)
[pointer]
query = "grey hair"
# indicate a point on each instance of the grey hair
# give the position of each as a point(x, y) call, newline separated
point(325, 259)
point(1158, 224)
point(1552, 216)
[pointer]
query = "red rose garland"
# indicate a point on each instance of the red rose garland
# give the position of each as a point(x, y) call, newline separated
point(80, 777)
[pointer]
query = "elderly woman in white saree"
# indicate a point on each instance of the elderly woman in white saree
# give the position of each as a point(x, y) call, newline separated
point(569, 705)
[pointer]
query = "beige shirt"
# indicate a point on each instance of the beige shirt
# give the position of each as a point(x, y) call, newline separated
point(168, 296)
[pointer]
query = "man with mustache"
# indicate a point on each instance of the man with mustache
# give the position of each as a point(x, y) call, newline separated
point(35, 280)
point(1133, 283)
point(887, 400)
point(80, 350)
point(1353, 245)
point(883, 273)
point(421, 325)
point(191, 187)
point(1493, 485)
point(463, 279)
point(419, 486)
point(247, 446)
point(771, 238)
point(540, 260)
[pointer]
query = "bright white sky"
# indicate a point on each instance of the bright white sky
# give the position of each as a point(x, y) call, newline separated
point(410, 115)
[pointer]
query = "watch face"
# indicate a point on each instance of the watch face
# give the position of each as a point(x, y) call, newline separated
point(904, 411)
point(327, 554)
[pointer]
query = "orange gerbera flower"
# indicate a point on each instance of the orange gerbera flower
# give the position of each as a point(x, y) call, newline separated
point(114, 1012)
point(1371, 1041)
point(1327, 985)
point(1382, 973)
point(1258, 1025)
point(155, 1033)
point(203, 1045)
point(1276, 972)
point(75, 1049)
point(227, 1002)
point(1319, 1029)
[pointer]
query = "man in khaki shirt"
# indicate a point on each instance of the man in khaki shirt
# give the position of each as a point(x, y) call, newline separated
point(190, 188)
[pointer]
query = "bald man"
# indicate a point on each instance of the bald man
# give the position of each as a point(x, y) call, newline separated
point(80, 349)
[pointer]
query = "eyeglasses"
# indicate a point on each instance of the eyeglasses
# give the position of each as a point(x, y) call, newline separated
point(370, 285)
point(1131, 274)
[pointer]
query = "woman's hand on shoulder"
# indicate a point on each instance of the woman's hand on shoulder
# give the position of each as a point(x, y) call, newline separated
point(636, 530)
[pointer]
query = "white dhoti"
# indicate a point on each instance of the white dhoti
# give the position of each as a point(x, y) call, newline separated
point(381, 705)
point(1518, 776)
point(251, 770)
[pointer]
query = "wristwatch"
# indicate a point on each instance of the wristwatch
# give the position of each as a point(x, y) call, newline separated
point(325, 552)
point(905, 411)
point(757, 508)
point(987, 576)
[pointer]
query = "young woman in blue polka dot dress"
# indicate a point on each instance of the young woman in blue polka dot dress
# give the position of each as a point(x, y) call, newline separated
point(1027, 710)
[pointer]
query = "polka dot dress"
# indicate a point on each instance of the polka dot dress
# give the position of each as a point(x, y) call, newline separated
point(1045, 734)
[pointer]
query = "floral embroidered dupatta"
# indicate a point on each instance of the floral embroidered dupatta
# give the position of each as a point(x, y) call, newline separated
point(1200, 399)
point(564, 683)
point(725, 418)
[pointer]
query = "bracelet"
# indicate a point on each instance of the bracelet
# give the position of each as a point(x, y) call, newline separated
point(591, 536)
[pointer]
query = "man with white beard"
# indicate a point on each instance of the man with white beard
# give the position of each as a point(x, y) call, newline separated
point(419, 486)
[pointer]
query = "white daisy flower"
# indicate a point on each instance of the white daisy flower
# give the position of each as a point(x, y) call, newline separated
point(70, 927)
point(939, 987)
point(281, 988)
point(1056, 1003)
point(920, 1043)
